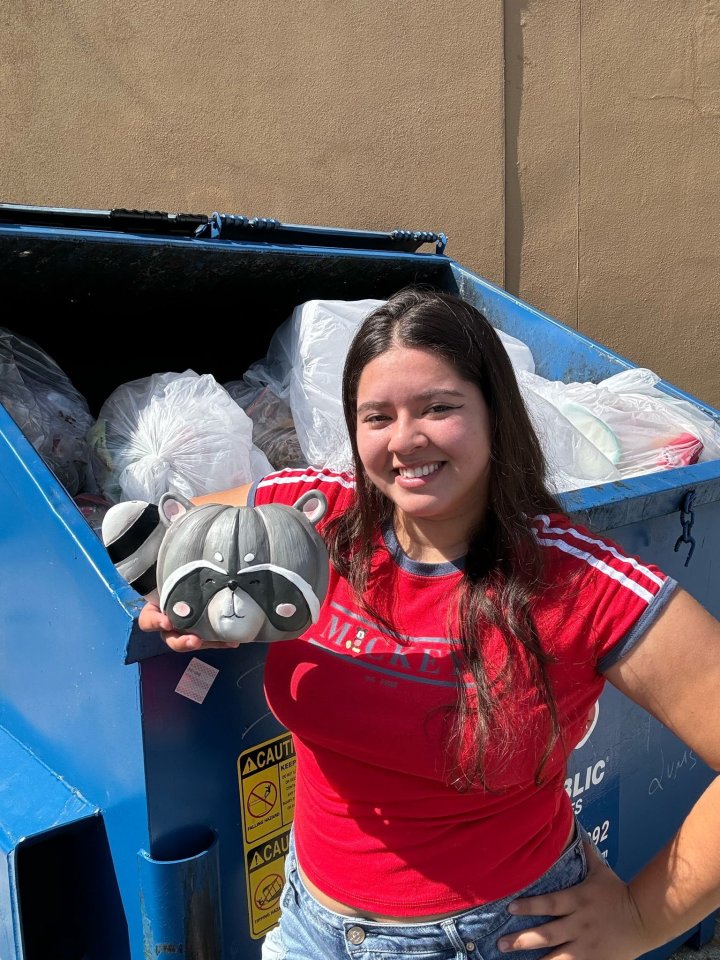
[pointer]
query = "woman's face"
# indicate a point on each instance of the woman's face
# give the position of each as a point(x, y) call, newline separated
point(423, 435)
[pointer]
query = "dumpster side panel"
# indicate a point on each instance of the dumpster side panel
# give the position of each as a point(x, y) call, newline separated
point(67, 694)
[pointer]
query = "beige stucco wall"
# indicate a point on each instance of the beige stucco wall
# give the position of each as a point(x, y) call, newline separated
point(567, 147)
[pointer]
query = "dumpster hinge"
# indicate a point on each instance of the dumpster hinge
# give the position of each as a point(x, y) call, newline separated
point(217, 222)
point(422, 236)
point(226, 226)
point(687, 518)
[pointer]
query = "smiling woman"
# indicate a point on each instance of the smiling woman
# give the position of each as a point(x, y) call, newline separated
point(468, 630)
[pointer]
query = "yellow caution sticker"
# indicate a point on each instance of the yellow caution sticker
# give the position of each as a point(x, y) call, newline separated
point(267, 794)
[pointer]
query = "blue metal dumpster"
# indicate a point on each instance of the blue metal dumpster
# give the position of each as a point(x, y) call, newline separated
point(137, 822)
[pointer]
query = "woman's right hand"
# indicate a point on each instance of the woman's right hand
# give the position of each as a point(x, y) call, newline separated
point(152, 620)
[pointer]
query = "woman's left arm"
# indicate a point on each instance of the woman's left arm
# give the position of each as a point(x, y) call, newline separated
point(674, 673)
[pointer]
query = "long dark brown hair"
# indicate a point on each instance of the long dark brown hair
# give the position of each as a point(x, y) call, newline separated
point(503, 568)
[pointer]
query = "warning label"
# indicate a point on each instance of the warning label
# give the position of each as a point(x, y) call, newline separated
point(267, 791)
point(265, 873)
point(267, 787)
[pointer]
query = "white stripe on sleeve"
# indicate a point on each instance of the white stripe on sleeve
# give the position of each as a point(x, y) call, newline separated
point(623, 558)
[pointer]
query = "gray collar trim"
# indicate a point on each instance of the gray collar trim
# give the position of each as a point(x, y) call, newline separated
point(416, 566)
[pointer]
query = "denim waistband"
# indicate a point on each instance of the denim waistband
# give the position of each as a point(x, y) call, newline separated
point(465, 926)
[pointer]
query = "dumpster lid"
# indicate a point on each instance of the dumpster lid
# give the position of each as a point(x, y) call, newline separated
point(222, 226)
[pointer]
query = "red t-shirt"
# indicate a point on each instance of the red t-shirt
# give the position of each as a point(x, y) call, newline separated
point(377, 826)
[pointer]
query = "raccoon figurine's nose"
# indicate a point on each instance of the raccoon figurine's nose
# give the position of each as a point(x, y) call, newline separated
point(233, 585)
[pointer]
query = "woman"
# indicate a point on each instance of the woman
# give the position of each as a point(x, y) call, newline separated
point(468, 630)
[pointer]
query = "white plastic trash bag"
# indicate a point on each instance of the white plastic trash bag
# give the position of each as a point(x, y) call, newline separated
point(683, 434)
point(321, 335)
point(574, 460)
point(304, 366)
point(519, 353)
point(636, 428)
point(179, 432)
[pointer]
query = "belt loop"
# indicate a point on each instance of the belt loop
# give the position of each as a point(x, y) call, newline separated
point(453, 935)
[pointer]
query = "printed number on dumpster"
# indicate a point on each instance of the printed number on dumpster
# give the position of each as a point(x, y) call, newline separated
point(600, 833)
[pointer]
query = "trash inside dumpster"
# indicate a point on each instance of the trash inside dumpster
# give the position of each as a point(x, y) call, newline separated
point(148, 796)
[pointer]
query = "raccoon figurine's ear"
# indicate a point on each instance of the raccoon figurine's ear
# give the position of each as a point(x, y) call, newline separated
point(314, 513)
point(132, 533)
point(172, 506)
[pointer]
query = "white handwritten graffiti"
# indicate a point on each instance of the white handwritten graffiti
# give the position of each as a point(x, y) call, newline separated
point(671, 769)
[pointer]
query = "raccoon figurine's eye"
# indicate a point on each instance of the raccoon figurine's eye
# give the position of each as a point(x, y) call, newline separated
point(182, 609)
point(209, 580)
point(285, 609)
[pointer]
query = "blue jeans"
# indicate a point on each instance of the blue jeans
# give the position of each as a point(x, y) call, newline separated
point(309, 931)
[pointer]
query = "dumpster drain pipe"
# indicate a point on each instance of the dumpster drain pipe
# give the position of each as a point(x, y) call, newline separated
point(180, 903)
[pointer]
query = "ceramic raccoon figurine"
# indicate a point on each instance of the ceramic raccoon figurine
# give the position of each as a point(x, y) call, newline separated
point(233, 574)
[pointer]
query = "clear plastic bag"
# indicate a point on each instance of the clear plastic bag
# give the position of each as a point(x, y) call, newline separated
point(93, 508)
point(683, 433)
point(636, 427)
point(273, 426)
point(273, 370)
point(172, 432)
point(573, 460)
point(52, 414)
